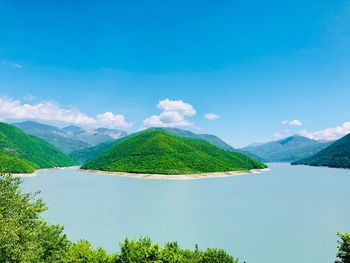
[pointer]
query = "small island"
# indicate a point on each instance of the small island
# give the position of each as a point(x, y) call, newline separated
point(158, 154)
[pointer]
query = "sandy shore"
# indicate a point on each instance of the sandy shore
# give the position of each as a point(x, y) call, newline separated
point(43, 170)
point(177, 176)
point(151, 176)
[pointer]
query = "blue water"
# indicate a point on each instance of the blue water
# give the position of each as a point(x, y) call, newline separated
point(290, 214)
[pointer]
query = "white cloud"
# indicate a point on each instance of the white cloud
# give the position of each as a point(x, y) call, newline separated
point(174, 113)
point(211, 116)
point(295, 123)
point(176, 105)
point(292, 123)
point(52, 112)
point(29, 97)
point(16, 65)
point(12, 64)
point(277, 135)
point(328, 134)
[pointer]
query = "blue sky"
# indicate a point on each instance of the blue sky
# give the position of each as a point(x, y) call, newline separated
point(254, 64)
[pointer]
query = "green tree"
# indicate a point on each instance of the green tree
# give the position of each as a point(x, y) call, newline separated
point(343, 248)
point(83, 252)
point(24, 235)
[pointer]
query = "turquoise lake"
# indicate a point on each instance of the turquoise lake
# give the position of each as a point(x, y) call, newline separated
point(290, 214)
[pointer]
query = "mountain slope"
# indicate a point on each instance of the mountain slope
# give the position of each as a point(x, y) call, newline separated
point(12, 164)
point(335, 155)
point(212, 139)
point(287, 150)
point(53, 135)
point(154, 151)
point(84, 155)
point(40, 154)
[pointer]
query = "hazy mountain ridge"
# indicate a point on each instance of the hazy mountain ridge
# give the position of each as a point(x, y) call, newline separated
point(288, 149)
point(70, 138)
point(336, 155)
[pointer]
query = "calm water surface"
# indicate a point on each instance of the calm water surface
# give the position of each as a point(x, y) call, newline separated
point(286, 215)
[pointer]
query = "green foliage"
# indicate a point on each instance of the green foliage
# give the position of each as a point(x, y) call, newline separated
point(343, 248)
point(143, 250)
point(36, 152)
point(335, 155)
point(12, 164)
point(155, 151)
point(82, 251)
point(83, 155)
point(26, 237)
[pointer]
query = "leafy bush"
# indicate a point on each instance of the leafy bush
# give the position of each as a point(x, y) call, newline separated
point(343, 248)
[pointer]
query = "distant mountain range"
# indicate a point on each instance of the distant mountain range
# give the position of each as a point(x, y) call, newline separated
point(23, 153)
point(290, 149)
point(71, 138)
point(158, 151)
point(335, 155)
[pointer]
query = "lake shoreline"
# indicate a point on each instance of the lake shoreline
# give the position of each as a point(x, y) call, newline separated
point(35, 173)
point(150, 176)
point(177, 176)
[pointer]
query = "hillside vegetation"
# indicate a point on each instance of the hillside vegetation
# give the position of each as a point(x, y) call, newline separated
point(158, 152)
point(27, 151)
point(83, 155)
point(15, 165)
point(335, 155)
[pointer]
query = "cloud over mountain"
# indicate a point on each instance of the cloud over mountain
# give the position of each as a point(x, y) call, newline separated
point(329, 134)
point(174, 113)
point(51, 111)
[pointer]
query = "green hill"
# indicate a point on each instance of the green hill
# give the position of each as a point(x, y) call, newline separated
point(83, 155)
point(212, 139)
point(32, 150)
point(335, 155)
point(287, 150)
point(154, 151)
point(12, 164)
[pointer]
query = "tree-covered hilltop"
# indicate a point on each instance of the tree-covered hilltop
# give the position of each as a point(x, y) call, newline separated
point(335, 155)
point(26, 237)
point(83, 155)
point(29, 151)
point(159, 152)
